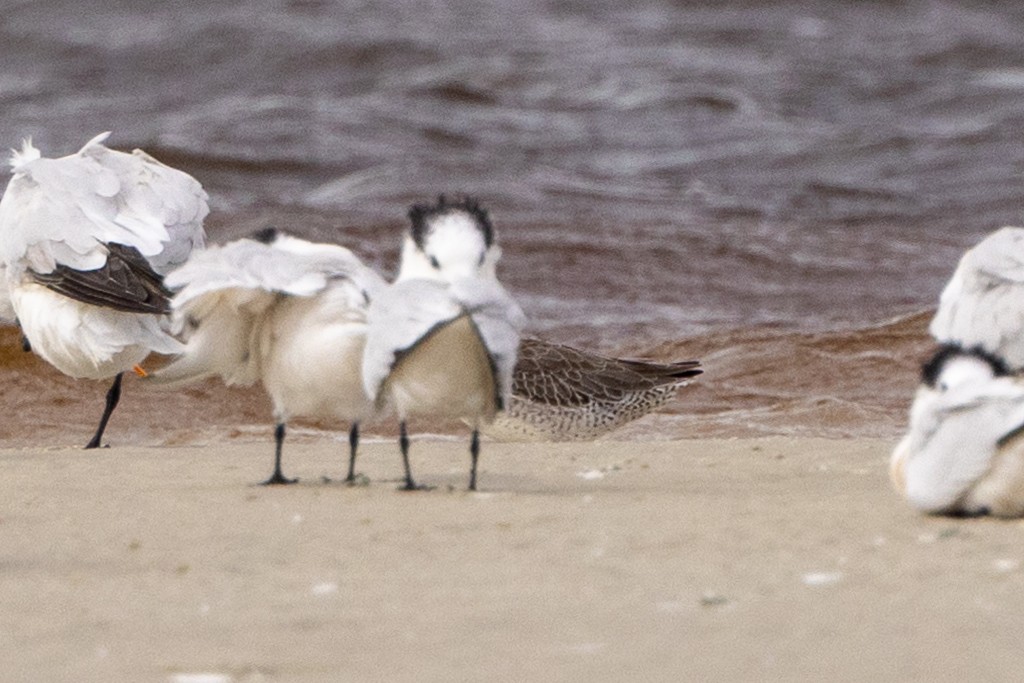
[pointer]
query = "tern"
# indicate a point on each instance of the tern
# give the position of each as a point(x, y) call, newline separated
point(283, 311)
point(983, 303)
point(84, 242)
point(963, 453)
point(442, 339)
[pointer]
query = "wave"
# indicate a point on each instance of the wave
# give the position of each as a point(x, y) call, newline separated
point(855, 382)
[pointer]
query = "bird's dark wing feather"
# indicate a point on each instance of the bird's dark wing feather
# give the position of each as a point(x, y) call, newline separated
point(561, 375)
point(126, 283)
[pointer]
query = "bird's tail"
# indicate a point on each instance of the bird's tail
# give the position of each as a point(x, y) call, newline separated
point(664, 372)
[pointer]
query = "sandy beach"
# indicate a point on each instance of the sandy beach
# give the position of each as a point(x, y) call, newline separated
point(718, 559)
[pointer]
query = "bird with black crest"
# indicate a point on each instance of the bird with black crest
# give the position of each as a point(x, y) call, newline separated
point(963, 453)
point(442, 339)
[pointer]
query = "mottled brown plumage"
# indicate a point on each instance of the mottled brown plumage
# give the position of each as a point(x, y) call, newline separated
point(560, 393)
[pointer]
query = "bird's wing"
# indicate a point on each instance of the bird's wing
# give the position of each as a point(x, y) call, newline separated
point(954, 438)
point(499, 320)
point(980, 306)
point(334, 261)
point(63, 212)
point(398, 318)
point(286, 266)
point(156, 200)
point(562, 375)
point(126, 282)
point(226, 291)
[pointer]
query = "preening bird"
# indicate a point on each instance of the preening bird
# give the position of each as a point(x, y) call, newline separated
point(983, 303)
point(283, 311)
point(84, 242)
point(964, 449)
point(560, 393)
point(442, 338)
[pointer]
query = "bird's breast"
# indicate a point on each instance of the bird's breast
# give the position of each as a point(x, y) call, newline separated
point(448, 373)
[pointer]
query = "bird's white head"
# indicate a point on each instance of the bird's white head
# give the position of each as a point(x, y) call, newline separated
point(449, 240)
point(953, 366)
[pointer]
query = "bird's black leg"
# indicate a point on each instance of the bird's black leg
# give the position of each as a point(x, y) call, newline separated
point(277, 477)
point(474, 454)
point(403, 443)
point(26, 345)
point(113, 396)
point(353, 445)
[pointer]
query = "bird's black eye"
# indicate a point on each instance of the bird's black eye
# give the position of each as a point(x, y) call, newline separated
point(434, 262)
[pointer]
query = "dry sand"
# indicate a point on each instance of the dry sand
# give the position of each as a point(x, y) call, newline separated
point(743, 559)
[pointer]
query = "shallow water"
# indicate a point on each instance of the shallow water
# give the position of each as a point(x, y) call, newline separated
point(657, 172)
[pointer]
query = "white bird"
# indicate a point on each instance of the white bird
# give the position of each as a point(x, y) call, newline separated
point(84, 242)
point(442, 338)
point(964, 452)
point(983, 303)
point(283, 311)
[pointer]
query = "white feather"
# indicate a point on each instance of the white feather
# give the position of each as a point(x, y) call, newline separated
point(65, 212)
point(954, 437)
point(453, 249)
point(399, 317)
point(26, 154)
point(284, 267)
point(7, 313)
point(981, 304)
point(87, 341)
point(291, 314)
point(406, 311)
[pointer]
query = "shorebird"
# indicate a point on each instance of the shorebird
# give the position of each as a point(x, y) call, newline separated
point(983, 303)
point(442, 338)
point(283, 311)
point(963, 453)
point(84, 241)
point(560, 393)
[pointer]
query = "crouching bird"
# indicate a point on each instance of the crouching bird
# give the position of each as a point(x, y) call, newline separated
point(963, 453)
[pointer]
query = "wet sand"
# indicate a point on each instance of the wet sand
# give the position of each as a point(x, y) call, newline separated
point(758, 381)
point(723, 559)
